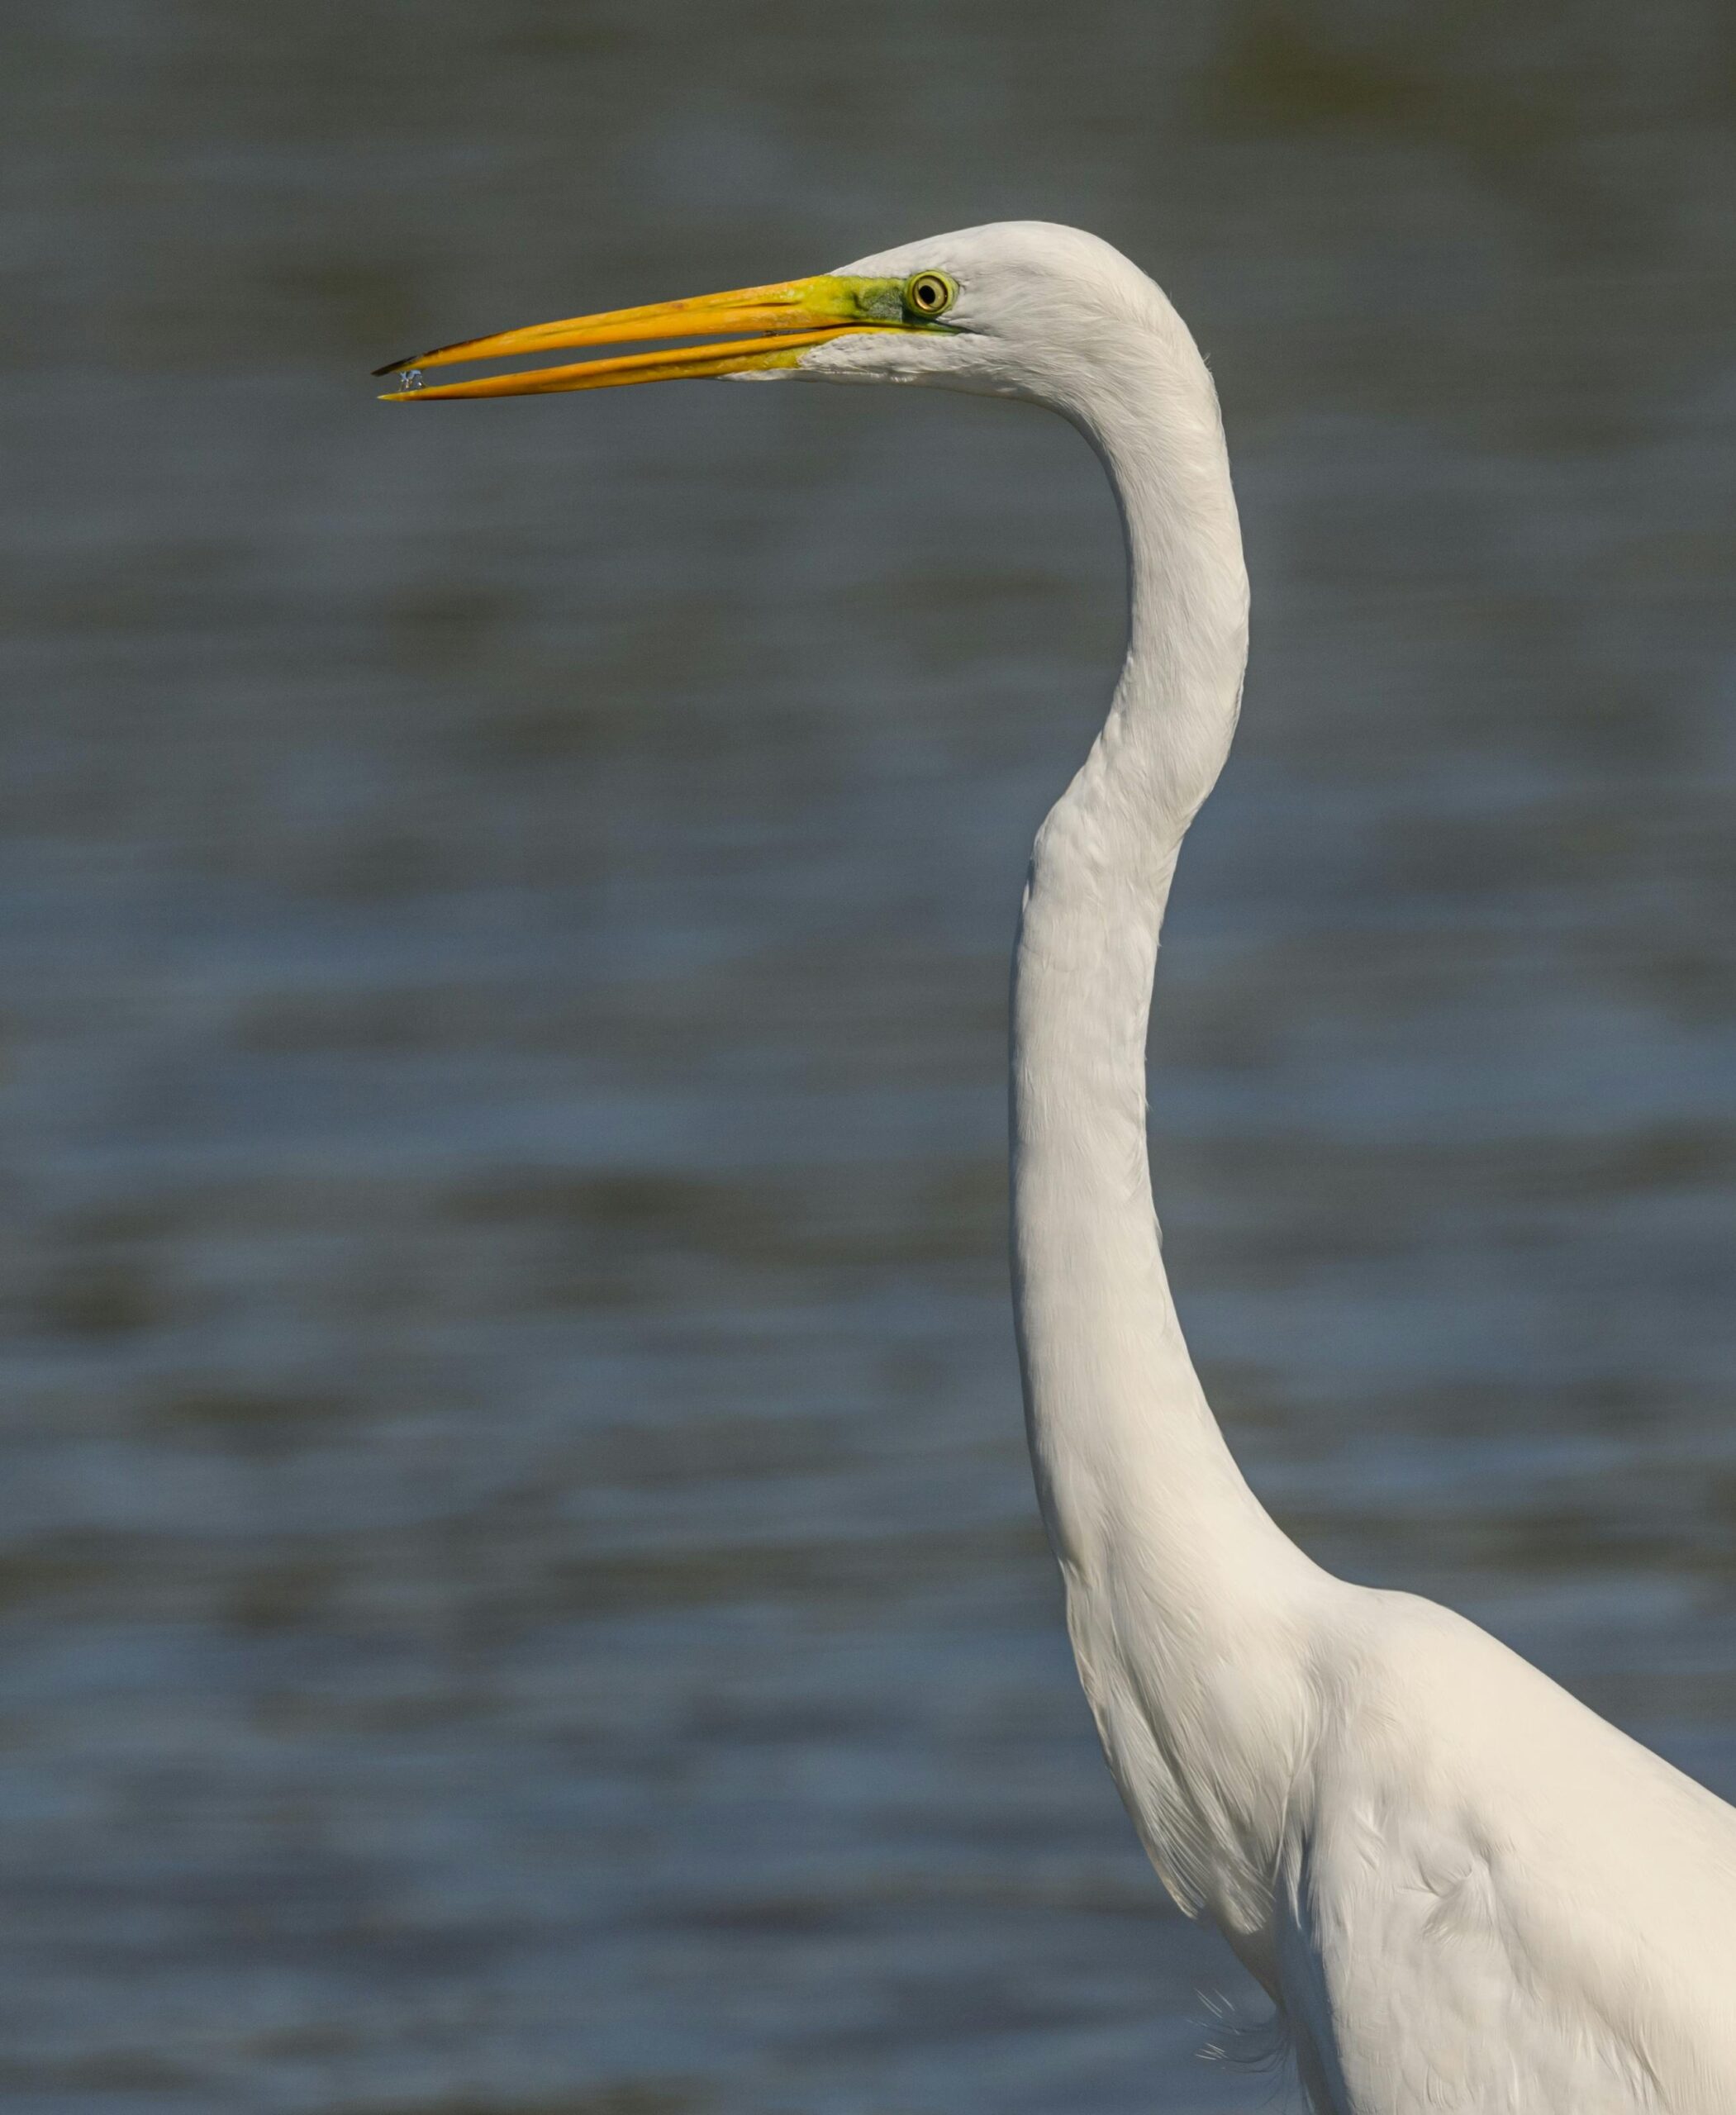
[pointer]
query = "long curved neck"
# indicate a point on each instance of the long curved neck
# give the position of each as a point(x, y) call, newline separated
point(1133, 1473)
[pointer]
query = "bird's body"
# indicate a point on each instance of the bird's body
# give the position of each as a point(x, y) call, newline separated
point(1465, 1893)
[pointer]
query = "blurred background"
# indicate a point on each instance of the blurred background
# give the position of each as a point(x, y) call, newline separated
point(518, 1584)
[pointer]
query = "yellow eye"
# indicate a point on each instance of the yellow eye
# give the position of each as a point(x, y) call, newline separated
point(929, 293)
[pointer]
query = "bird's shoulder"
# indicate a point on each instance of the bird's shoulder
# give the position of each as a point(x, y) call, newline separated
point(1414, 1696)
point(1425, 1719)
point(1491, 1882)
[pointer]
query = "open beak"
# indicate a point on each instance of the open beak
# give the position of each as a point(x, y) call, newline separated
point(782, 321)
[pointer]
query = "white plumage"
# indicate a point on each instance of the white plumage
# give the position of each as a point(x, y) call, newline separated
point(1463, 1891)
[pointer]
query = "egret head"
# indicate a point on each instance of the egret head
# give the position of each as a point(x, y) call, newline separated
point(1019, 308)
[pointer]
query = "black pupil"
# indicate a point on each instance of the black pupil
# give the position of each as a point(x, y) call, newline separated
point(928, 294)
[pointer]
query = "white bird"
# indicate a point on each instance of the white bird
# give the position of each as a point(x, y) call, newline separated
point(1462, 1890)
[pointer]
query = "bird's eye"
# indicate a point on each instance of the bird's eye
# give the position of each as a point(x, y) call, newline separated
point(929, 293)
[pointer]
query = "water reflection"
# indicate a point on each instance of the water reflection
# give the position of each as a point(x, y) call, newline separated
point(521, 1586)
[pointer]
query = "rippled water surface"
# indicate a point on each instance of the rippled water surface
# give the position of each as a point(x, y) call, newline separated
point(519, 1581)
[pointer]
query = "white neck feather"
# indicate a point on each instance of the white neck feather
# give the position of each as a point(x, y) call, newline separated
point(1143, 1501)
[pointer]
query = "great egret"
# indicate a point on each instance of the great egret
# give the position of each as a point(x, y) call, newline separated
point(1461, 1889)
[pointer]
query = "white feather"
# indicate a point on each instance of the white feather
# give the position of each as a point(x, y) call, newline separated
point(1463, 1890)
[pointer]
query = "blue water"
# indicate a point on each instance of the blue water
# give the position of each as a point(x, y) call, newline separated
point(519, 1584)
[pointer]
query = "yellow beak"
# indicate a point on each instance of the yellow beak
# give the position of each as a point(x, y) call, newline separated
point(784, 319)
